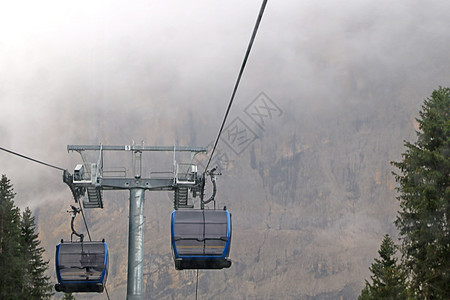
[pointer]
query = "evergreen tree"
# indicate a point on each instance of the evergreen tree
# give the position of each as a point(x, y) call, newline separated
point(11, 261)
point(388, 280)
point(424, 188)
point(68, 296)
point(36, 284)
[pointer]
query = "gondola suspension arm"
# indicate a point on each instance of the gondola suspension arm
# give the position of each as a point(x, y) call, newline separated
point(74, 212)
point(212, 175)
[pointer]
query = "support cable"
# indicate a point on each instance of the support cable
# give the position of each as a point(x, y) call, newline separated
point(90, 239)
point(32, 159)
point(244, 62)
point(196, 287)
point(84, 220)
point(241, 71)
point(106, 290)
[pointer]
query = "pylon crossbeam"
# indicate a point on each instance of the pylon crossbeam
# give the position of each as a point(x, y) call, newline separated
point(142, 183)
point(134, 148)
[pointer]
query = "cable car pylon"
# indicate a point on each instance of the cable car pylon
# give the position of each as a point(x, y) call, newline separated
point(91, 177)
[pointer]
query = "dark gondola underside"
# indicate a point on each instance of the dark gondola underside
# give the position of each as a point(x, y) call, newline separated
point(188, 264)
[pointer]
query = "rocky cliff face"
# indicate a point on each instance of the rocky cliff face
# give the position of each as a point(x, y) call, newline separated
point(308, 183)
point(310, 199)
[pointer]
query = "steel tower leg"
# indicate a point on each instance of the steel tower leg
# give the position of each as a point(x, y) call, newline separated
point(136, 245)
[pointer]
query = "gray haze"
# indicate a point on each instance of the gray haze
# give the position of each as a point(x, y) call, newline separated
point(73, 73)
point(162, 71)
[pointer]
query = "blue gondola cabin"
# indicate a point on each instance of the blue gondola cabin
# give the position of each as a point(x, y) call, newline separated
point(201, 239)
point(81, 266)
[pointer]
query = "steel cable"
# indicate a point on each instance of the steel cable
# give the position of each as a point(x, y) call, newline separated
point(241, 71)
point(32, 159)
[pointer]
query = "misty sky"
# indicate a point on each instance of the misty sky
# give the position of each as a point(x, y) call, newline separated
point(80, 72)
